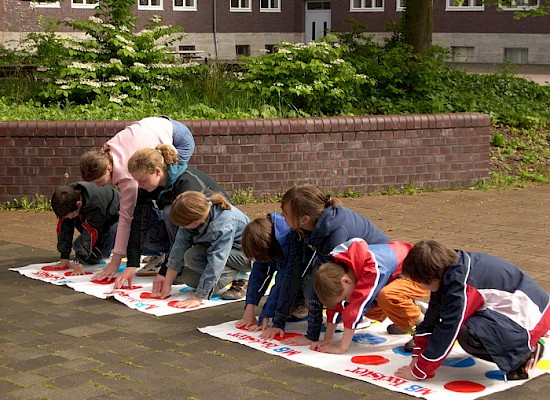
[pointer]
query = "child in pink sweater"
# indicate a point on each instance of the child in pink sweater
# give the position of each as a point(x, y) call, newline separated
point(109, 166)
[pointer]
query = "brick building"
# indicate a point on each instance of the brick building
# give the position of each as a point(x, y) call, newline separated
point(475, 32)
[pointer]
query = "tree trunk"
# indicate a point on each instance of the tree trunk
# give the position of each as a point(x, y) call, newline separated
point(418, 21)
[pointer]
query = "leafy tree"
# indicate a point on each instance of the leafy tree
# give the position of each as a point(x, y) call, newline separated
point(113, 60)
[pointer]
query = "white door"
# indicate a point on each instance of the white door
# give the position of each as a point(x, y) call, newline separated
point(317, 19)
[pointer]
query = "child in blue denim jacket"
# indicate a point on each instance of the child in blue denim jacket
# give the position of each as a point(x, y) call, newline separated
point(207, 251)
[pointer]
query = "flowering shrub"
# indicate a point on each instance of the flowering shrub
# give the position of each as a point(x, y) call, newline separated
point(112, 61)
point(313, 78)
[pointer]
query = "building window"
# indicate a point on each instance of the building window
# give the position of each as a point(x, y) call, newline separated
point(84, 3)
point(240, 6)
point(242, 50)
point(184, 5)
point(270, 48)
point(45, 4)
point(465, 5)
point(520, 5)
point(150, 5)
point(270, 6)
point(399, 5)
point(318, 5)
point(462, 54)
point(516, 55)
point(367, 5)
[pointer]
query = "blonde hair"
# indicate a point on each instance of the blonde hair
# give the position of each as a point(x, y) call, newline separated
point(327, 281)
point(307, 200)
point(94, 163)
point(144, 161)
point(191, 206)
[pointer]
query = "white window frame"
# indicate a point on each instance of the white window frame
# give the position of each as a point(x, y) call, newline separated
point(365, 7)
point(185, 7)
point(89, 4)
point(150, 7)
point(399, 6)
point(519, 6)
point(43, 4)
point(242, 7)
point(467, 5)
point(271, 7)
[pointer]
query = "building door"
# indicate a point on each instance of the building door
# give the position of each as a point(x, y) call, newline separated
point(317, 19)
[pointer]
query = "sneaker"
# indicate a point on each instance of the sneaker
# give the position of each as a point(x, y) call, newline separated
point(409, 346)
point(523, 371)
point(395, 330)
point(299, 311)
point(151, 267)
point(237, 290)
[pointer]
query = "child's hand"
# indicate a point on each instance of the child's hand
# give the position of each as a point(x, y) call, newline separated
point(299, 340)
point(108, 272)
point(330, 349)
point(262, 327)
point(192, 302)
point(249, 319)
point(158, 284)
point(78, 269)
point(126, 275)
point(270, 333)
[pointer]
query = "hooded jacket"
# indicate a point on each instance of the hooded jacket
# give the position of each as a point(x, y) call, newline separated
point(507, 310)
point(374, 266)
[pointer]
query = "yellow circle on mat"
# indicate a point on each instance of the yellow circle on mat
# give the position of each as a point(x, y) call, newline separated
point(543, 364)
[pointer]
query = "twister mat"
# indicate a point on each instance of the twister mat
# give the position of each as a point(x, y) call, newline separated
point(374, 356)
point(136, 297)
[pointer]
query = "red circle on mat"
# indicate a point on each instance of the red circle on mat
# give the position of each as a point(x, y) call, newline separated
point(104, 281)
point(287, 335)
point(70, 273)
point(464, 387)
point(369, 360)
point(54, 268)
point(147, 295)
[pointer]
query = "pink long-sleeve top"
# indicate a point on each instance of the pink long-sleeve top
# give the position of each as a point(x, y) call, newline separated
point(148, 132)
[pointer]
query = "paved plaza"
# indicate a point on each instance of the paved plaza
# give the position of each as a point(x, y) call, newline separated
point(58, 344)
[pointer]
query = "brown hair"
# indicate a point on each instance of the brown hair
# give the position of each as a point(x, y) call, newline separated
point(258, 239)
point(428, 260)
point(64, 200)
point(327, 281)
point(94, 163)
point(192, 206)
point(307, 200)
point(144, 161)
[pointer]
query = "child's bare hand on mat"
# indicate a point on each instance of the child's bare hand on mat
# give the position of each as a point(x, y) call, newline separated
point(405, 373)
point(299, 340)
point(330, 348)
point(125, 276)
point(270, 333)
point(108, 272)
point(192, 302)
point(78, 269)
point(262, 327)
point(248, 319)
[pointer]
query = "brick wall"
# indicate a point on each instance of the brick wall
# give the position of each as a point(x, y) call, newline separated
point(270, 155)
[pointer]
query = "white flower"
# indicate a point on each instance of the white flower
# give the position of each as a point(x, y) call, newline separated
point(95, 20)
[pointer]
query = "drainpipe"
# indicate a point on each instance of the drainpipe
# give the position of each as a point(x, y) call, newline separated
point(215, 28)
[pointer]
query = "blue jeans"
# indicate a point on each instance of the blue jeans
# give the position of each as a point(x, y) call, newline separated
point(183, 141)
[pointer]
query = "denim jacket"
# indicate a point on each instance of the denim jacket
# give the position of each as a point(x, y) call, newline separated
point(221, 233)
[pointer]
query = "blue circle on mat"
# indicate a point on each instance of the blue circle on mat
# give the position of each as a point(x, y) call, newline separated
point(185, 289)
point(367, 338)
point(496, 375)
point(102, 262)
point(459, 362)
point(401, 351)
point(121, 268)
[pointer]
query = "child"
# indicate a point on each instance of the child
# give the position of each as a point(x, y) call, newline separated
point(265, 240)
point(324, 224)
point(208, 244)
point(160, 179)
point(351, 284)
point(93, 211)
point(496, 311)
point(109, 166)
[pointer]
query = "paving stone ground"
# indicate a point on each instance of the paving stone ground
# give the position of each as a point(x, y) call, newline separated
point(58, 344)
